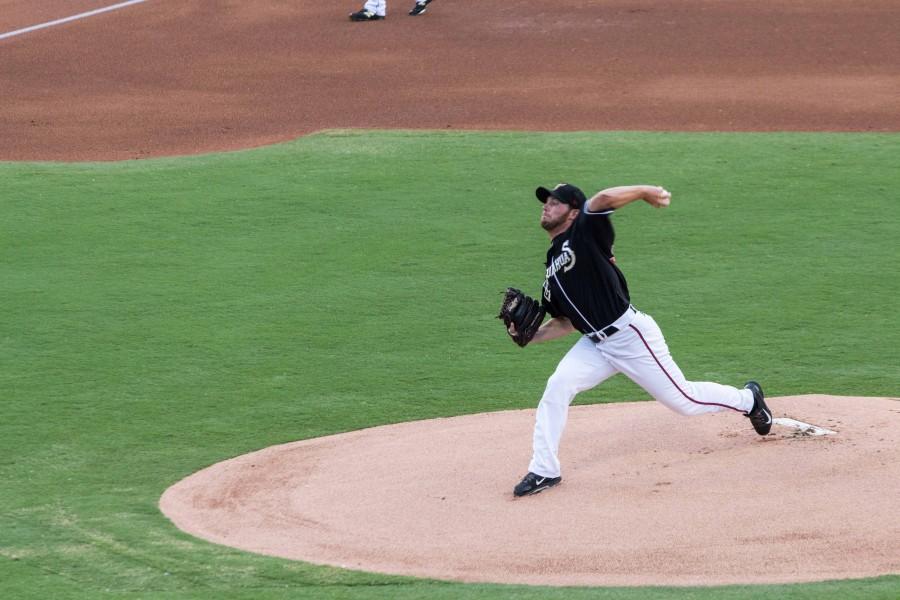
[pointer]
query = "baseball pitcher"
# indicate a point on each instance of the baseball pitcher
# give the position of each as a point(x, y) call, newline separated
point(585, 291)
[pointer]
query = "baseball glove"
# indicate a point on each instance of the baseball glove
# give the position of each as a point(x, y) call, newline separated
point(523, 313)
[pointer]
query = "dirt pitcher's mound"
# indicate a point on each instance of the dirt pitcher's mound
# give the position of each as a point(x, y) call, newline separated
point(647, 498)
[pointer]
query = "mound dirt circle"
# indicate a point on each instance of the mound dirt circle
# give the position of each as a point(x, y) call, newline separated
point(648, 498)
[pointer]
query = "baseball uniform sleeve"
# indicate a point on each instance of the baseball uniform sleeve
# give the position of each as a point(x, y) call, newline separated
point(600, 227)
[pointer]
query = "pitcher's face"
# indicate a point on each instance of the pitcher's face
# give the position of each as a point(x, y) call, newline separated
point(554, 214)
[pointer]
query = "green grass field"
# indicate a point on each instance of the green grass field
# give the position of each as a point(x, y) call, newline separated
point(163, 315)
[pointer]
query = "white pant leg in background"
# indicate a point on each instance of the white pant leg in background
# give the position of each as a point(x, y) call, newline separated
point(379, 7)
point(640, 352)
point(580, 369)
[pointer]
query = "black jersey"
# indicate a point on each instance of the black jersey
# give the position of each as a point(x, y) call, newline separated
point(582, 281)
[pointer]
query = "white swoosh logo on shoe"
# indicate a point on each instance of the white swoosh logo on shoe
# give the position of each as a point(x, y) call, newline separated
point(540, 481)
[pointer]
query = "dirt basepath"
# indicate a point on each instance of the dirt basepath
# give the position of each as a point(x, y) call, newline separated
point(165, 78)
point(648, 498)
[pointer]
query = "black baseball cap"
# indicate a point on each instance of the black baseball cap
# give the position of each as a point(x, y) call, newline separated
point(564, 192)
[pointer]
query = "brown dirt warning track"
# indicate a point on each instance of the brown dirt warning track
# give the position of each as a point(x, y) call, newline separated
point(648, 497)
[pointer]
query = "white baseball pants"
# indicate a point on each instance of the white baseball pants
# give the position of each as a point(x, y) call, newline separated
point(379, 7)
point(639, 351)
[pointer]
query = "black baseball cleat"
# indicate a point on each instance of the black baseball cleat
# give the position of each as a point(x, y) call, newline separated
point(365, 15)
point(419, 7)
point(760, 415)
point(532, 484)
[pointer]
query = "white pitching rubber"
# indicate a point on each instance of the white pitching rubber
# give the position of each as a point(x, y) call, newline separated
point(804, 428)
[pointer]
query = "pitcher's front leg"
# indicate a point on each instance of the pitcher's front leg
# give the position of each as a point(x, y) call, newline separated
point(582, 368)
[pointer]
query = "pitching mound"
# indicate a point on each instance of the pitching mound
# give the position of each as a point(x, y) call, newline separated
point(647, 498)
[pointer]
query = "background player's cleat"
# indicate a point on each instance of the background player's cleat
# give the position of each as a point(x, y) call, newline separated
point(419, 7)
point(365, 15)
point(532, 484)
point(760, 415)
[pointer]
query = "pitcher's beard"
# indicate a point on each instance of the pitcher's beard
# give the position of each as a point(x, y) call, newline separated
point(553, 224)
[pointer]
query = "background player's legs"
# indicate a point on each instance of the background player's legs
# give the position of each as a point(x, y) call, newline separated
point(640, 352)
point(580, 369)
point(379, 7)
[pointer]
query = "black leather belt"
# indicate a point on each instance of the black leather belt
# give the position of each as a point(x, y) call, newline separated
point(600, 336)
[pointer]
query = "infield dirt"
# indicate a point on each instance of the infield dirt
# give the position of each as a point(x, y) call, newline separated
point(191, 77)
